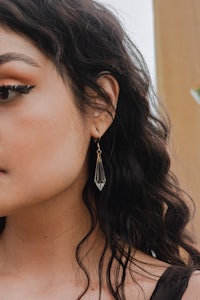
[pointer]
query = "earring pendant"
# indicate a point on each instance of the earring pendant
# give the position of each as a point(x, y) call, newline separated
point(99, 176)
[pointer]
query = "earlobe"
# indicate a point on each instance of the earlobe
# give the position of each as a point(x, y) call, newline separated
point(102, 119)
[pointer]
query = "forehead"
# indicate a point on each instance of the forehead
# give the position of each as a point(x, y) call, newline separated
point(19, 46)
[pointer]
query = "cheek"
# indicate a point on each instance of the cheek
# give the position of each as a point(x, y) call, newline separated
point(47, 151)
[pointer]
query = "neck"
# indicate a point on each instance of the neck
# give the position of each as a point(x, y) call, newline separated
point(42, 239)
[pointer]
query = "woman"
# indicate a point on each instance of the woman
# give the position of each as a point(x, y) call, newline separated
point(89, 208)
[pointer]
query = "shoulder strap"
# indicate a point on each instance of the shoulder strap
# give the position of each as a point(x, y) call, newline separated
point(172, 284)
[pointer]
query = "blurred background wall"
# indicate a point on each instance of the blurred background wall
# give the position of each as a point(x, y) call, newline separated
point(177, 40)
point(137, 18)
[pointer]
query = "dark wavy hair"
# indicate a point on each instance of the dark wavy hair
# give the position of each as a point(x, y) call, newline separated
point(141, 206)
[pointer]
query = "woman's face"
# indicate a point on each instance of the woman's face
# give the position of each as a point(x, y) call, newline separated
point(43, 137)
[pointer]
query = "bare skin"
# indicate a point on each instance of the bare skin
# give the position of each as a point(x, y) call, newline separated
point(44, 144)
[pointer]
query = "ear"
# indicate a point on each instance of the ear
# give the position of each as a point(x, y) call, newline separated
point(102, 119)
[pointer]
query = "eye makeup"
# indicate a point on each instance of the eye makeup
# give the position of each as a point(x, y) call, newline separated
point(8, 92)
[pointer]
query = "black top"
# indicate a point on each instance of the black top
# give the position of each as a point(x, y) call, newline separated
point(172, 284)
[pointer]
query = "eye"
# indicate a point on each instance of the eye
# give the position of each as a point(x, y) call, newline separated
point(8, 92)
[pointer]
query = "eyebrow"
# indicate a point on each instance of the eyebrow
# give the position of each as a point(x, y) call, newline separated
point(13, 56)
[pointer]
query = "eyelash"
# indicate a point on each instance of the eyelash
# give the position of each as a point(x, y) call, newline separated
point(5, 90)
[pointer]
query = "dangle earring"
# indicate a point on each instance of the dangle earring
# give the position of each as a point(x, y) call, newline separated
point(99, 176)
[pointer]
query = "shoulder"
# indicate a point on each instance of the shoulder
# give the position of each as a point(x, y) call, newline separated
point(143, 275)
point(193, 290)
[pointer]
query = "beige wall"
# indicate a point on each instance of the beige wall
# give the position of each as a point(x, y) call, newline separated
point(177, 28)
